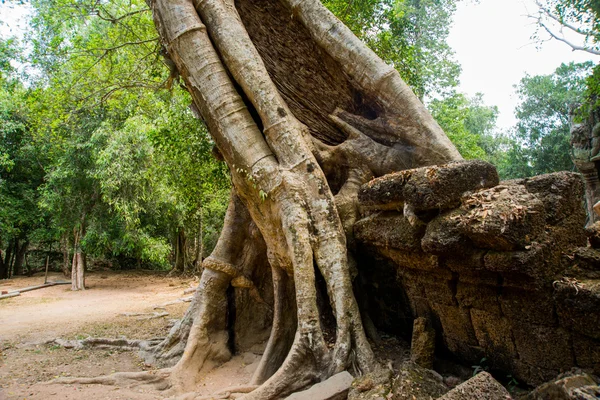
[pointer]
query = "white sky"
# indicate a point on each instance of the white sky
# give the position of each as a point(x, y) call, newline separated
point(492, 41)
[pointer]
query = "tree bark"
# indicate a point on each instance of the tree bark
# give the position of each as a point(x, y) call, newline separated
point(79, 262)
point(303, 113)
point(20, 251)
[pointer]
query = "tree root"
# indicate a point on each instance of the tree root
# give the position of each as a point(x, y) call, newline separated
point(105, 343)
point(158, 379)
point(146, 316)
point(170, 303)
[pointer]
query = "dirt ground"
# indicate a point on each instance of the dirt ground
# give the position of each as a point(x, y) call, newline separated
point(27, 363)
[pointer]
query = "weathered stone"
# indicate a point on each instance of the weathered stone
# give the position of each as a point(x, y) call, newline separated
point(443, 235)
point(417, 383)
point(494, 335)
point(440, 292)
point(375, 385)
point(578, 305)
point(481, 387)
point(478, 295)
point(502, 218)
point(585, 263)
point(422, 346)
point(334, 388)
point(531, 374)
point(384, 193)
point(469, 260)
point(456, 323)
point(407, 260)
point(593, 234)
point(528, 262)
point(535, 307)
point(587, 352)
point(574, 385)
point(428, 188)
point(562, 195)
point(543, 346)
point(471, 354)
point(440, 187)
point(385, 229)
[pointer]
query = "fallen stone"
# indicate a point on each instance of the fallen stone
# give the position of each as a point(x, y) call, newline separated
point(436, 187)
point(561, 193)
point(416, 383)
point(385, 229)
point(334, 388)
point(441, 186)
point(443, 236)
point(481, 387)
point(372, 386)
point(593, 234)
point(569, 386)
point(423, 343)
point(502, 218)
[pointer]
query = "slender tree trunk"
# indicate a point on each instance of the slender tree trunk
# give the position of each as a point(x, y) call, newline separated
point(180, 252)
point(79, 262)
point(65, 250)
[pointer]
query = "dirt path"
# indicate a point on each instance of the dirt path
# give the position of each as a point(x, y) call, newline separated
point(28, 321)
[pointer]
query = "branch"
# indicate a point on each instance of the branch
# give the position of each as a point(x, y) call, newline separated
point(573, 46)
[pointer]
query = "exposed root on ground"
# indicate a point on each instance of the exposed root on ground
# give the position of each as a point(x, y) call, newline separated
point(146, 316)
point(105, 343)
point(187, 299)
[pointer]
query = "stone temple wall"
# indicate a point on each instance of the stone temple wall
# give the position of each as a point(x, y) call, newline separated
point(502, 270)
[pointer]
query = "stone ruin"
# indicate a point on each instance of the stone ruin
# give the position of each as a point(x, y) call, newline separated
point(504, 271)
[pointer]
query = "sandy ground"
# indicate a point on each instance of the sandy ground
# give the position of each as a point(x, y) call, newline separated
point(28, 321)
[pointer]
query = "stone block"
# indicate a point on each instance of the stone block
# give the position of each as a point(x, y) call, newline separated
point(407, 260)
point(440, 292)
point(587, 352)
point(384, 193)
point(422, 347)
point(527, 262)
point(502, 218)
point(543, 346)
point(443, 236)
point(388, 229)
point(578, 306)
point(481, 387)
point(441, 186)
point(535, 307)
point(466, 353)
point(456, 323)
point(469, 260)
point(532, 375)
point(478, 295)
point(494, 335)
point(334, 388)
point(574, 385)
point(416, 383)
point(561, 193)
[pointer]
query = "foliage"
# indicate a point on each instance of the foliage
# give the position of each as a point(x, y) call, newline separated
point(541, 137)
point(469, 123)
point(409, 34)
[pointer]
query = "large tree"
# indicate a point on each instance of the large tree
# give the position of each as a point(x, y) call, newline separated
point(303, 113)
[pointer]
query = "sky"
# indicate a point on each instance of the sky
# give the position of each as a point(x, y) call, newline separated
point(492, 42)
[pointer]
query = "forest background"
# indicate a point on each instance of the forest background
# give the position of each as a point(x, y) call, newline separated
point(101, 154)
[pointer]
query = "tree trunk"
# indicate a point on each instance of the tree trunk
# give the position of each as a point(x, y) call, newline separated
point(79, 263)
point(180, 254)
point(300, 110)
point(65, 250)
point(20, 251)
point(3, 269)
